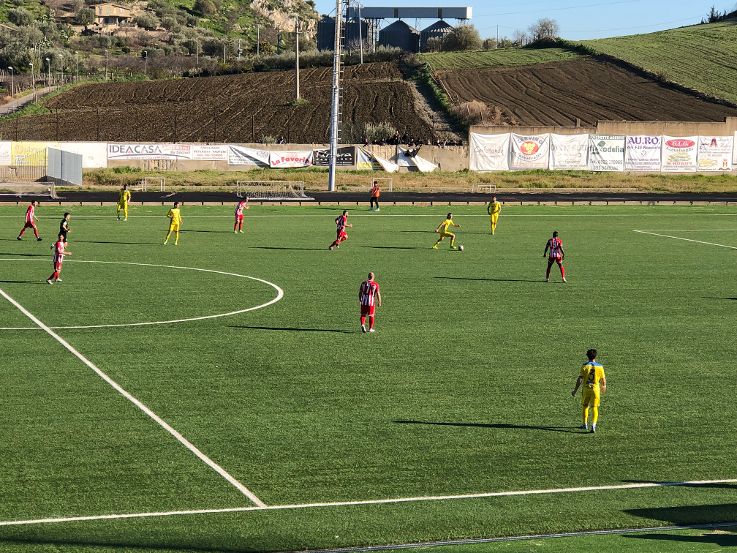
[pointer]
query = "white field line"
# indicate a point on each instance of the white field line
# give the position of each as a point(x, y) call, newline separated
point(414, 215)
point(394, 500)
point(181, 439)
point(279, 296)
point(685, 239)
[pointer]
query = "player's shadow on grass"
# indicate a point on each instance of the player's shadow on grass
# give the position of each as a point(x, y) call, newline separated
point(716, 298)
point(26, 254)
point(209, 231)
point(666, 483)
point(397, 247)
point(286, 248)
point(111, 242)
point(498, 279)
point(707, 538)
point(23, 282)
point(694, 515)
point(500, 425)
point(293, 329)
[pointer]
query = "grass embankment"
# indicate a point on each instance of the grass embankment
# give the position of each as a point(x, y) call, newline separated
point(464, 181)
point(495, 58)
point(700, 57)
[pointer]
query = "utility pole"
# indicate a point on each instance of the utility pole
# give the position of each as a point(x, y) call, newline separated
point(197, 53)
point(258, 40)
point(33, 82)
point(334, 110)
point(107, 59)
point(10, 68)
point(497, 37)
point(48, 79)
point(360, 34)
point(145, 62)
point(296, 51)
point(239, 49)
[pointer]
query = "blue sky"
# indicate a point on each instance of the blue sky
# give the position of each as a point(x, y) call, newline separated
point(578, 19)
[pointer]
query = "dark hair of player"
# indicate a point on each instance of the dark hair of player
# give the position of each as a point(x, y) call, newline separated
point(61, 236)
point(125, 187)
point(66, 214)
point(345, 211)
point(176, 204)
point(555, 234)
point(450, 216)
point(371, 275)
point(591, 354)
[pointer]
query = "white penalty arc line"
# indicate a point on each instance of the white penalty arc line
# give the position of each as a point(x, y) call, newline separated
point(279, 296)
point(357, 503)
point(181, 439)
point(685, 239)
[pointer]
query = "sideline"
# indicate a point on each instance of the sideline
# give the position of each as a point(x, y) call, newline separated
point(685, 239)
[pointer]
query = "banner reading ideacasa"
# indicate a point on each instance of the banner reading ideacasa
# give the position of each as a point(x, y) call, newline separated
point(569, 151)
point(529, 152)
point(679, 154)
point(606, 153)
point(489, 152)
point(642, 153)
point(147, 151)
point(290, 159)
point(715, 153)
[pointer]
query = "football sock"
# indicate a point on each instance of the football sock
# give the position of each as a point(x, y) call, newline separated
point(585, 415)
point(563, 274)
point(363, 320)
point(595, 418)
point(371, 322)
point(547, 273)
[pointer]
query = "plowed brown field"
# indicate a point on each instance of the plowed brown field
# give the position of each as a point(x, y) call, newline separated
point(557, 93)
point(239, 108)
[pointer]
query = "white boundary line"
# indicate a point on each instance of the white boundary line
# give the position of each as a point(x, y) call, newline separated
point(279, 296)
point(181, 439)
point(359, 209)
point(685, 239)
point(295, 506)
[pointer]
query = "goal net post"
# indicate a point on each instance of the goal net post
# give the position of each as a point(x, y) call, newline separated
point(36, 189)
point(271, 190)
point(150, 184)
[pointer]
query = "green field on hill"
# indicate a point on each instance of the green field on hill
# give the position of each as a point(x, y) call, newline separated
point(495, 58)
point(464, 389)
point(700, 57)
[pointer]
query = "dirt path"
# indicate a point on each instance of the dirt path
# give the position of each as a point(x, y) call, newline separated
point(17, 103)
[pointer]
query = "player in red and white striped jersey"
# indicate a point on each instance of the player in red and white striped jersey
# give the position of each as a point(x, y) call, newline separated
point(368, 296)
point(341, 222)
point(30, 221)
point(238, 225)
point(59, 252)
point(554, 252)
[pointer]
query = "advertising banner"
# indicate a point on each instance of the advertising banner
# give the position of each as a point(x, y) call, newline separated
point(5, 153)
point(408, 158)
point(364, 161)
point(529, 152)
point(734, 152)
point(147, 151)
point(346, 157)
point(489, 152)
point(569, 151)
point(715, 153)
point(680, 154)
point(239, 155)
point(606, 153)
point(208, 152)
point(642, 153)
point(94, 154)
point(301, 158)
point(29, 153)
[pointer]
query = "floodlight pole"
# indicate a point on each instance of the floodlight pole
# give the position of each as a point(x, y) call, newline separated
point(296, 53)
point(360, 33)
point(334, 110)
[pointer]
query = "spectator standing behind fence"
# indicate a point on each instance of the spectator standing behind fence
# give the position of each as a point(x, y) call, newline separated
point(375, 193)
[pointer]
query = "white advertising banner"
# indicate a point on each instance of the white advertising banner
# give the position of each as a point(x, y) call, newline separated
point(290, 159)
point(489, 152)
point(208, 152)
point(147, 151)
point(94, 154)
point(529, 152)
point(569, 151)
point(363, 160)
point(680, 154)
point(642, 153)
point(407, 158)
point(734, 153)
point(606, 153)
point(715, 153)
point(5, 156)
point(238, 155)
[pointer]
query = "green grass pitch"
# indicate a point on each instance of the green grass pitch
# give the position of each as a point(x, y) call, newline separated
point(464, 388)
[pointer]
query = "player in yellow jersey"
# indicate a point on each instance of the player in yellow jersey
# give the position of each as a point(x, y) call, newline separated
point(594, 384)
point(123, 199)
point(444, 230)
point(493, 209)
point(175, 221)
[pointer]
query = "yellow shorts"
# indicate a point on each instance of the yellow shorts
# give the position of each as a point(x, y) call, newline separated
point(122, 205)
point(494, 218)
point(174, 227)
point(591, 397)
point(447, 235)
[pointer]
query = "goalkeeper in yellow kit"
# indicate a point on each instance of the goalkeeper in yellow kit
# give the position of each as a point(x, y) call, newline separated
point(175, 221)
point(123, 199)
point(594, 384)
point(444, 230)
point(493, 209)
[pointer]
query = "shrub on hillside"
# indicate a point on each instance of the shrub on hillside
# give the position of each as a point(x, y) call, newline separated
point(85, 16)
point(376, 133)
point(205, 7)
point(147, 21)
point(473, 113)
point(21, 17)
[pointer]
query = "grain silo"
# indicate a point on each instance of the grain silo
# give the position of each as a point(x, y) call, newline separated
point(439, 29)
point(400, 35)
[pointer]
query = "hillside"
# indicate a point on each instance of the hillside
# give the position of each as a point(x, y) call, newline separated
point(700, 57)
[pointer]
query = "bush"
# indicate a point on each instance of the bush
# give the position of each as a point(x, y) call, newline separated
point(463, 37)
point(21, 17)
point(85, 16)
point(147, 21)
point(379, 132)
point(205, 7)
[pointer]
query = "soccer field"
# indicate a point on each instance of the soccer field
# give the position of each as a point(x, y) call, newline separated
point(219, 395)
